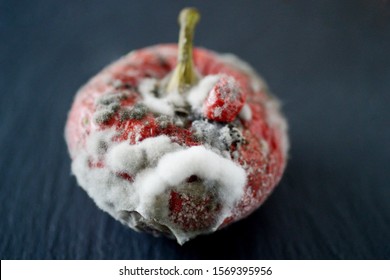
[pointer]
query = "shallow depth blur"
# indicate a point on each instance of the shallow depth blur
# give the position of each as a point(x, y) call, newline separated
point(328, 61)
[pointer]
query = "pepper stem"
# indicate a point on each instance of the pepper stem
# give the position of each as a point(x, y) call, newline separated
point(184, 75)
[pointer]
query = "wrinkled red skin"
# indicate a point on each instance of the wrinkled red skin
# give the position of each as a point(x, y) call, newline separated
point(228, 101)
point(157, 62)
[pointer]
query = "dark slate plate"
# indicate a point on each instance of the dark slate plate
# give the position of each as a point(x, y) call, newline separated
point(329, 61)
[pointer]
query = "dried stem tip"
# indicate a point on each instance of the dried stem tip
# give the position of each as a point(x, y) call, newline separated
point(184, 75)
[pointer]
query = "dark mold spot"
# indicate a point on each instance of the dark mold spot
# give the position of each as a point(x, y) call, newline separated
point(163, 121)
point(103, 116)
point(138, 112)
point(192, 178)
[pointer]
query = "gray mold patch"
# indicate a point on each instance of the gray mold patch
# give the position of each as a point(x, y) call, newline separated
point(216, 135)
point(110, 98)
point(138, 112)
point(163, 121)
point(103, 116)
point(106, 107)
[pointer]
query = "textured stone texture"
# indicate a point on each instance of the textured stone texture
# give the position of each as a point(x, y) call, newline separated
point(328, 61)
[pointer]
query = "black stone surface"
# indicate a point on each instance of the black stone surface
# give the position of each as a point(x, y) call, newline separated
point(329, 61)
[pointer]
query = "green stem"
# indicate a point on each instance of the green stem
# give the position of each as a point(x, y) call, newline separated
point(184, 75)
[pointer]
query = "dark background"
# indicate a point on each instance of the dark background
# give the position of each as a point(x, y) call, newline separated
point(329, 62)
